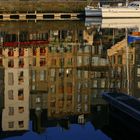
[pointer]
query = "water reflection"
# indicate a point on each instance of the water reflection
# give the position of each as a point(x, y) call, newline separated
point(54, 74)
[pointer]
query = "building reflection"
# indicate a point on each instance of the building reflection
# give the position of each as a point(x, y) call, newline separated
point(56, 74)
point(124, 63)
point(15, 115)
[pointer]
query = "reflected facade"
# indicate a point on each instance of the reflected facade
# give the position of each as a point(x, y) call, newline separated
point(55, 76)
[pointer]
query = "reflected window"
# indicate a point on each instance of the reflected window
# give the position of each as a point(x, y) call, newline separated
point(20, 94)
point(94, 84)
point(10, 95)
point(34, 52)
point(86, 60)
point(11, 111)
point(86, 107)
point(80, 49)
point(79, 72)
point(138, 72)
point(21, 63)
point(10, 63)
point(20, 77)
point(42, 75)
point(34, 62)
point(52, 72)
point(0, 49)
point(33, 75)
point(20, 109)
point(69, 61)
point(1, 62)
point(42, 62)
point(11, 124)
point(21, 51)
point(69, 88)
point(53, 62)
point(86, 98)
point(120, 59)
point(52, 89)
point(33, 87)
point(79, 98)
point(113, 59)
point(79, 60)
point(85, 74)
point(42, 51)
point(61, 61)
point(61, 72)
point(10, 78)
point(61, 88)
point(21, 124)
point(87, 49)
point(102, 83)
point(138, 84)
point(38, 100)
point(10, 52)
point(68, 72)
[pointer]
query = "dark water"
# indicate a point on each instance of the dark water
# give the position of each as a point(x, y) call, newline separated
point(53, 73)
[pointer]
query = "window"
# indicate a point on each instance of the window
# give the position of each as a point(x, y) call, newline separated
point(20, 77)
point(21, 62)
point(68, 72)
point(52, 89)
point(20, 109)
point(33, 75)
point(94, 83)
point(20, 94)
point(11, 111)
point(33, 87)
point(10, 63)
point(1, 62)
point(138, 84)
point(38, 100)
point(79, 60)
point(79, 73)
point(34, 61)
point(42, 75)
point(86, 60)
point(52, 72)
point(119, 59)
point(138, 72)
point(86, 107)
point(10, 78)
point(69, 88)
point(102, 83)
point(21, 124)
point(42, 61)
point(10, 95)
point(85, 74)
point(10, 124)
point(86, 49)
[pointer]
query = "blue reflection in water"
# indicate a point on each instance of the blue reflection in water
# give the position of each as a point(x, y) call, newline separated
point(76, 132)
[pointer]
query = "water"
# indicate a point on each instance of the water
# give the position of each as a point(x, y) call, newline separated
point(52, 74)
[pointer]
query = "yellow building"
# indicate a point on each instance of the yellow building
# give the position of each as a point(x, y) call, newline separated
point(15, 115)
point(124, 67)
